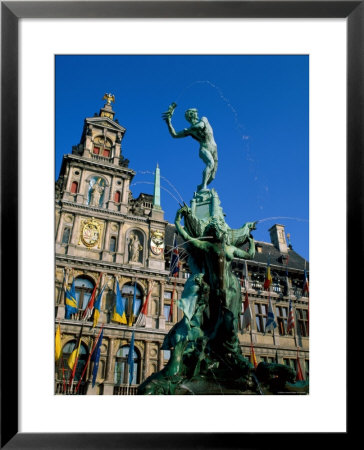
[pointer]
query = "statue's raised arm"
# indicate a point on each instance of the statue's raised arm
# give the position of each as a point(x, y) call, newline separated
point(201, 131)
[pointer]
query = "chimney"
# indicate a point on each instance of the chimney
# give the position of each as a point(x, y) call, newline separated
point(278, 238)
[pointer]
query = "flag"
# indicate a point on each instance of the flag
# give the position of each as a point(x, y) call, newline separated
point(174, 268)
point(170, 315)
point(270, 323)
point(132, 313)
point(90, 305)
point(268, 278)
point(96, 358)
point(305, 284)
point(71, 302)
point(253, 359)
point(245, 276)
point(58, 344)
point(299, 374)
point(119, 308)
point(290, 322)
point(286, 284)
point(247, 316)
point(73, 358)
point(144, 310)
point(131, 358)
point(97, 306)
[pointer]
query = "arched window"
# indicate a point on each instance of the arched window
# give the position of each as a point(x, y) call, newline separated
point(74, 187)
point(117, 197)
point(112, 246)
point(63, 371)
point(121, 374)
point(127, 292)
point(84, 288)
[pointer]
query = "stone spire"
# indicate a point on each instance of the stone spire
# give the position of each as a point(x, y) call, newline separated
point(157, 190)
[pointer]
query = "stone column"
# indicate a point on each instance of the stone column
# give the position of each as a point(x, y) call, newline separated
point(119, 248)
point(160, 357)
point(148, 319)
point(109, 373)
point(162, 319)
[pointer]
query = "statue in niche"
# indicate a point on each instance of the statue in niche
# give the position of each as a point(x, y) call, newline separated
point(201, 131)
point(96, 192)
point(135, 248)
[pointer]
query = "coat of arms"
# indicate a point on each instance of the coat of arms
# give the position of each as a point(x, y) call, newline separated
point(157, 242)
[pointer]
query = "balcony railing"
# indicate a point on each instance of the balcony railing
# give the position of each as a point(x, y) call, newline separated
point(63, 388)
point(125, 390)
point(100, 158)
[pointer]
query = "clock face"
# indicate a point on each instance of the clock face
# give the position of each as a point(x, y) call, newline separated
point(90, 233)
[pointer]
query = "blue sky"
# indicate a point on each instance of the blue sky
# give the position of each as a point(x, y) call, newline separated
point(258, 107)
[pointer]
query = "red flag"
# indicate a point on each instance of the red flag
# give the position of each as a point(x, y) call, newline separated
point(90, 304)
point(247, 316)
point(299, 374)
point(145, 306)
point(291, 322)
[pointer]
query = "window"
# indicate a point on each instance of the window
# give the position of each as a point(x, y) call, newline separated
point(84, 288)
point(121, 374)
point(66, 235)
point(117, 197)
point(307, 369)
point(276, 286)
point(74, 187)
point(96, 150)
point(268, 359)
point(63, 371)
point(257, 281)
point(167, 305)
point(127, 293)
point(302, 322)
point(290, 362)
point(106, 152)
point(112, 246)
point(282, 317)
point(261, 312)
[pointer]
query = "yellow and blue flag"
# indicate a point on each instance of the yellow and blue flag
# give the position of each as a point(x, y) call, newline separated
point(97, 306)
point(119, 308)
point(71, 302)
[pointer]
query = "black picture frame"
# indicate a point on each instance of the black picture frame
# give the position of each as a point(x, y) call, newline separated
point(11, 12)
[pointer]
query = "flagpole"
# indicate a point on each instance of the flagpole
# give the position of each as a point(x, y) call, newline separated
point(88, 360)
point(77, 356)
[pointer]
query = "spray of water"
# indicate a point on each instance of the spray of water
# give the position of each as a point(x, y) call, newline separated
point(165, 179)
point(298, 219)
point(242, 133)
point(150, 182)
